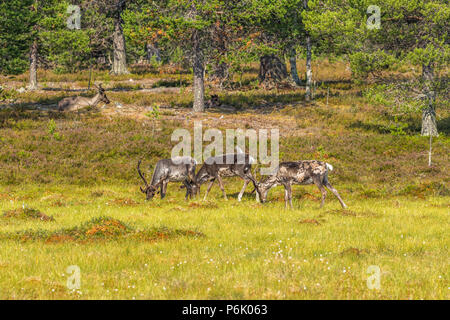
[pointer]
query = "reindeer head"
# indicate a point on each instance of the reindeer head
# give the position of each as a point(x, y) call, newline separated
point(149, 190)
point(262, 190)
point(102, 94)
point(262, 193)
point(194, 188)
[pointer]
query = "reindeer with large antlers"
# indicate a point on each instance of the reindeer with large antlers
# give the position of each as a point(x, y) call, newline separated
point(178, 169)
point(76, 103)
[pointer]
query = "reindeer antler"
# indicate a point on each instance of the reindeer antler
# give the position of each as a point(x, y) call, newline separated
point(99, 87)
point(141, 175)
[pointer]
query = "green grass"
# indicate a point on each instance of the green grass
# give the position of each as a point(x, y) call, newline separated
point(248, 250)
point(80, 169)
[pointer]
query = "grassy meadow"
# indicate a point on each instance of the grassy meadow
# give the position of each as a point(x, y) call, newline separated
point(69, 195)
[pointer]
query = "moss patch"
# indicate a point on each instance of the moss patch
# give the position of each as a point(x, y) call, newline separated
point(26, 213)
point(102, 228)
point(353, 252)
point(310, 221)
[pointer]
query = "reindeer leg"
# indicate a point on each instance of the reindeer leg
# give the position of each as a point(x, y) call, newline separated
point(209, 188)
point(286, 196)
point(319, 185)
point(249, 177)
point(221, 187)
point(257, 194)
point(163, 189)
point(187, 190)
point(289, 195)
point(328, 185)
point(243, 189)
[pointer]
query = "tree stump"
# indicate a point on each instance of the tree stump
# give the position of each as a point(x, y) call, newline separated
point(272, 71)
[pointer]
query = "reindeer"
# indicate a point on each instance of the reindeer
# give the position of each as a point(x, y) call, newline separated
point(300, 172)
point(228, 165)
point(76, 103)
point(169, 170)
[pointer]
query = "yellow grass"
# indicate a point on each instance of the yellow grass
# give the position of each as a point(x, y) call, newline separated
point(249, 251)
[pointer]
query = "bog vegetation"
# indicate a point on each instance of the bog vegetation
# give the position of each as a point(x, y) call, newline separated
point(365, 100)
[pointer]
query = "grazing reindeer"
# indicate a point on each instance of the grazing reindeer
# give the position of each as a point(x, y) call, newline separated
point(228, 165)
point(169, 170)
point(76, 103)
point(299, 172)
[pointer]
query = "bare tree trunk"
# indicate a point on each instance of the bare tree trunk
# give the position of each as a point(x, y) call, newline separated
point(308, 61)
point(199, 74)
point(33, 84)
point(429, 126)
point(293, 63)
point(120, 53)
point(308, 93)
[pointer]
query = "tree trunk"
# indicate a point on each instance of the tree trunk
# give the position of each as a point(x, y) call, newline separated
point(271, 70)
point(199, 74)
point(308, 61)
point(308, 91)
point(293, 63)
point(429, 126)
point(119, 54)
point(153, 51)
point(33, 85)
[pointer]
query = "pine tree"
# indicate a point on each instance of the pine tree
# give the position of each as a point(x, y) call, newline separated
point(413, 31)
point(16, 35)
